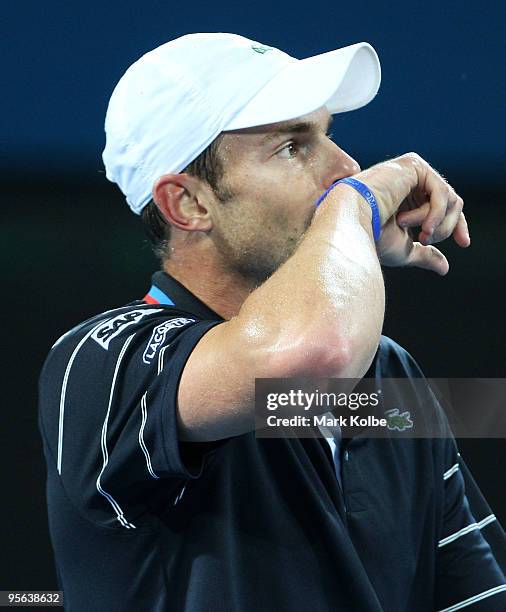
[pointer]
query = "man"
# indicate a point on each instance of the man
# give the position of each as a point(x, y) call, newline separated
point(160, 495)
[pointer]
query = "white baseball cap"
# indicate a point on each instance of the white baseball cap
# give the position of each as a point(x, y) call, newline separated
point(175, 100)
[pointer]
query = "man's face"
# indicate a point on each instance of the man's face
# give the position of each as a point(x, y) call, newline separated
point(274, 175)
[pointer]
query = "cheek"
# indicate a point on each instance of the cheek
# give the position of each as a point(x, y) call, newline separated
point(292, 210)
point(275, 202)
point(283, 226)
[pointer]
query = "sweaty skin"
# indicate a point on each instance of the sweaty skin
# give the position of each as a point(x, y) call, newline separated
point(301, 290)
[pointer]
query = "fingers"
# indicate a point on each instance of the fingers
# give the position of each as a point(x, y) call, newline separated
point(443, 201)
point(428, 258)
point(437, 208)
point(454, 223)
point(449, 222)
point(412, 192)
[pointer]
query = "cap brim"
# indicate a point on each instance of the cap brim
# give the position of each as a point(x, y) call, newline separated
point(342, 80)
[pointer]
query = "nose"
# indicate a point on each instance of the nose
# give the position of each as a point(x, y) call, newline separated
point(340, 166)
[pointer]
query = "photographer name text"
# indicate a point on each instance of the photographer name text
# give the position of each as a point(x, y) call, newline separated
point(324, 420)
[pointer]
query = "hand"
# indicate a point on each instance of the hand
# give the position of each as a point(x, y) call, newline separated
point(412, 194)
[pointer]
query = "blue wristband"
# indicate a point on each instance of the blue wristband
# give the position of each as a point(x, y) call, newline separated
point(367, 194)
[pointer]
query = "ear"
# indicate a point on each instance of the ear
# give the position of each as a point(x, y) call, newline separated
point(181, 200)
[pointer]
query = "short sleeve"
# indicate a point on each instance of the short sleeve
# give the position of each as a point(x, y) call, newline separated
point(108, 415)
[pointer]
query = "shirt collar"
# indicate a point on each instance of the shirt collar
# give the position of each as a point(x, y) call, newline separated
point(168, 291)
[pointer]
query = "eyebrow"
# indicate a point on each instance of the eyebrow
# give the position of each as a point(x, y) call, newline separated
point(303, 127)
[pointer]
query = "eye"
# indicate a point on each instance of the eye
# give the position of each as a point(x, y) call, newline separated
point(290, 150)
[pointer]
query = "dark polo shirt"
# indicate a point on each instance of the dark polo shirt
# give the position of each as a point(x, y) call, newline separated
point(141, 522)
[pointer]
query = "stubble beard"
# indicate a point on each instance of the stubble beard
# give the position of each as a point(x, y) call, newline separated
point(255, 258)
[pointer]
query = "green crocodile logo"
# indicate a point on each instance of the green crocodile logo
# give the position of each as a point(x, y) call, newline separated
point(261, 49)
point(396, 421)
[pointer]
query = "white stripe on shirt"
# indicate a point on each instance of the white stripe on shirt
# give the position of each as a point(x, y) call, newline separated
point(160, 358)
point(105, 454)
point(468, 529)
point(141, 437)
point(451, 471)
point(475, 599)
point(64, 391)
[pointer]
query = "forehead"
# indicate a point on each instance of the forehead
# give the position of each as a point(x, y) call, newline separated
point(251, 138)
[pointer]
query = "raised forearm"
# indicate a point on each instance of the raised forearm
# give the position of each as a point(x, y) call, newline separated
point(322, 311)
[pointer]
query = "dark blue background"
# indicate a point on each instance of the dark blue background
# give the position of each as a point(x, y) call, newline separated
point(443, 72)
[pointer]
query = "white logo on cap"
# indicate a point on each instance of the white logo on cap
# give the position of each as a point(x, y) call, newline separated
point(261, 49)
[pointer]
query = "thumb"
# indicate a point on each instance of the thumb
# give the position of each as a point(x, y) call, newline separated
point(428, 258)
